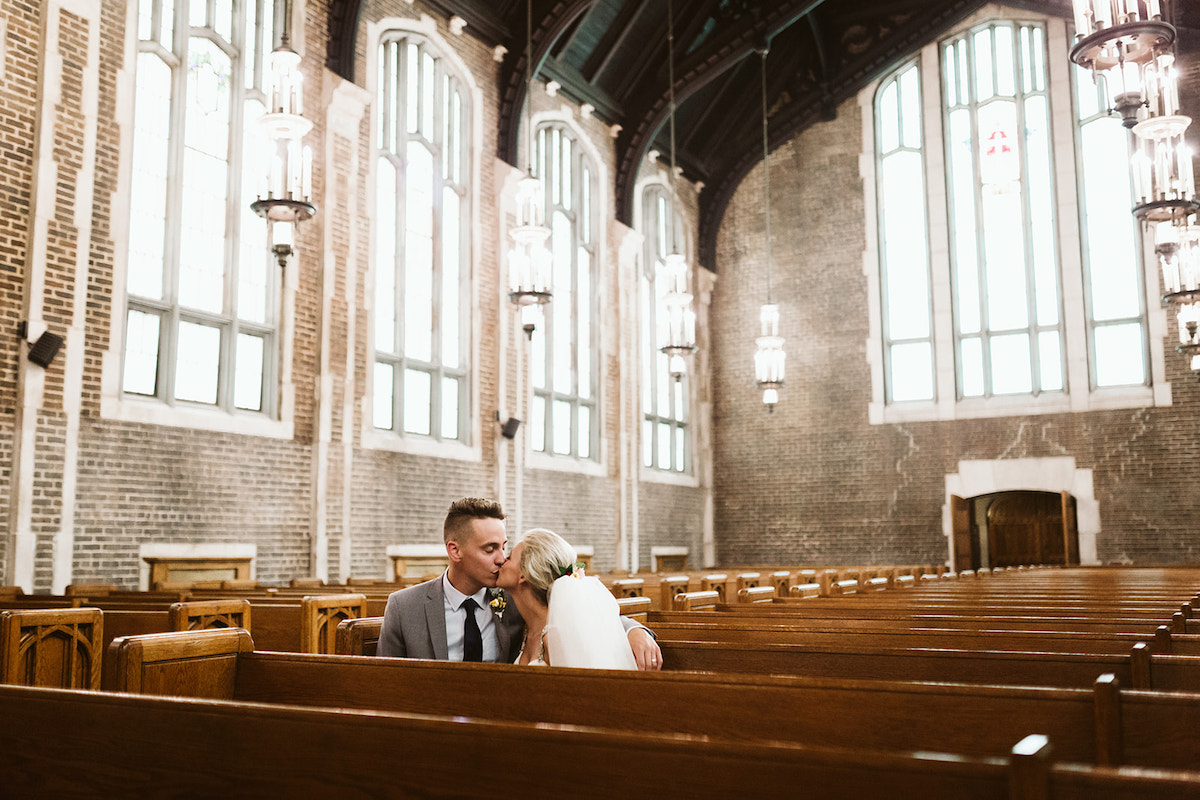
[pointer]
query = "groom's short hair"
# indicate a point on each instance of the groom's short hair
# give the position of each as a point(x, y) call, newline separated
point(465, 509)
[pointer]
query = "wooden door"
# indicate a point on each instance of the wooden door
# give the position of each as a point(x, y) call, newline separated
point(966, 543)
point(1032, 528)
point(1070, 528)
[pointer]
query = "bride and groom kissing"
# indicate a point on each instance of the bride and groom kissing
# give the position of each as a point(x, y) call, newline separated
point(530, 606)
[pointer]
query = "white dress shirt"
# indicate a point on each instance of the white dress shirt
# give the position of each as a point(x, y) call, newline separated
point(456, 618)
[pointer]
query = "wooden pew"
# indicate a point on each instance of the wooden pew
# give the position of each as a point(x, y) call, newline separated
point(669, 586)
point(320, 616)
point(716, 628)
point(199, 615)
point(1102, 724)
point(103, 745)
point(59, 647)
point(635, 607)
point(696, 601)
point(756, 594)
point(1140, 669)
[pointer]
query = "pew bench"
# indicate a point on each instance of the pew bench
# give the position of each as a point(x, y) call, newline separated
point(59, 647)
point(1140, 669)
point(1102, 724)
point(104, 745)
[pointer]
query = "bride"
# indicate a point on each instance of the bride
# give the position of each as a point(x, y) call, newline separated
point(570, 620)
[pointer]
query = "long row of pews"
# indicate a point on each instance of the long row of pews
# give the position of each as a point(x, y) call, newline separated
point(1046, 683)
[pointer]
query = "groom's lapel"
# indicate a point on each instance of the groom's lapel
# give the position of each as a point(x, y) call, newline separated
point(435, 619)
point(503, 633)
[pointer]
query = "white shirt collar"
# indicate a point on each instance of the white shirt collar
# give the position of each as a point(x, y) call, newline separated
point(455, 598)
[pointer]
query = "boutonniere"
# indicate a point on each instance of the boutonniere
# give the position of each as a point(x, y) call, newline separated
point(498, 604)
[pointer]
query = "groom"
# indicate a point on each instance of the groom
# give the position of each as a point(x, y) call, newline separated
point(430, 620)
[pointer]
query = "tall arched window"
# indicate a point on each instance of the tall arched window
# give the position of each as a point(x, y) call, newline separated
point(1002, 288)
point(202, 286)
point(563, 365)
point(1008, 328)
point(665, 435)
point(907, 320)
point(422, 243)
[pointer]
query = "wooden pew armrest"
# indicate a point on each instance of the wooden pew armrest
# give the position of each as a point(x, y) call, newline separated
point(192, 663)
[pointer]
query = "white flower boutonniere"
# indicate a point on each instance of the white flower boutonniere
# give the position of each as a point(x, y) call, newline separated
point(498, 604)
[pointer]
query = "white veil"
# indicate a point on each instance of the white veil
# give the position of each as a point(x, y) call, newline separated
point(584, 628)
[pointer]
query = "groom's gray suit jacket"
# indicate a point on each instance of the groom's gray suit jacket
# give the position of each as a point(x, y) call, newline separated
point(414, 625)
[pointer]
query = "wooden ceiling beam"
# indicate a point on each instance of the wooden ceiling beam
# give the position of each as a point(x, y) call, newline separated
point(715, 56)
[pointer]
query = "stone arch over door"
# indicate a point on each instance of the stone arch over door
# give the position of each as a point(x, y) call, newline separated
point(1059, 474)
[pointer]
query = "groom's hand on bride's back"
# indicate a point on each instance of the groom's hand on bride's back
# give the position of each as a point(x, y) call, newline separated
point(645, 650)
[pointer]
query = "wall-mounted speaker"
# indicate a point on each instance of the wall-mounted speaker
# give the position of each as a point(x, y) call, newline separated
point(508, 429)
point(43, 351)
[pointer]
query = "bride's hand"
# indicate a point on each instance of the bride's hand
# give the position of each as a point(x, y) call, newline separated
point(645, 650)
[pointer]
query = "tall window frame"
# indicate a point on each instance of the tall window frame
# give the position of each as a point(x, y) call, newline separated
point(1081, 294)
point(1009, 327)
point(422, 243)
point(201, 316)
point(564, 348)
point(666, 428)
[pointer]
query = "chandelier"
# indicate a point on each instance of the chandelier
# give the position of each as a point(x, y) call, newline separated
point(769, 356)
point(287, 197)
point(677, 330)
point(1130, 43)
point(1119, 39)
point(529, 259)
point(1178, 249)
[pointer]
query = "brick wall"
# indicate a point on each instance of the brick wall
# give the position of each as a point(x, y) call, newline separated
point(814, 481)
point(139, 483)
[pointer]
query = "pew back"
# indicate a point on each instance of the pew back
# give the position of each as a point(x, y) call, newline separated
point(58, 647)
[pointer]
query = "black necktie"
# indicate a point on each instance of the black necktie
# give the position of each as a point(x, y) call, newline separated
point(472, 640)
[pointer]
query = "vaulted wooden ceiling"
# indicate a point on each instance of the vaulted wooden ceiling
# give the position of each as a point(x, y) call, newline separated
point(613, 55)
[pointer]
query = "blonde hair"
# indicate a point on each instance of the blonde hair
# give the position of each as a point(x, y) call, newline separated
point(545, 558)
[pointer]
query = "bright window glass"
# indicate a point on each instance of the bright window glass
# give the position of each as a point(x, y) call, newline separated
point(421, 248)
point(202, 288)
point(664, 400)
point(563, 363)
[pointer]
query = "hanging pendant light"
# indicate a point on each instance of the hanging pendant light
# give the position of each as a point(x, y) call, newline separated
point(1178, 248)
point(1131, 43)
point(1119, 39)
point(529, 258)
point(769, 357)
point(677, 333)
point(287, 197)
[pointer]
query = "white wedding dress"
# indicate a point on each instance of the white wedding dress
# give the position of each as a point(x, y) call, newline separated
point(584, 628)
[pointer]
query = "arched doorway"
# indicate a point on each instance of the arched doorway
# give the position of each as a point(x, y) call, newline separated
point(1006, 529)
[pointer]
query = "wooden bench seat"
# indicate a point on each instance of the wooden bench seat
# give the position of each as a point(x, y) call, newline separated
point(1100, 724)
point(1139, 669)
point(104, 745)
point(715, 629)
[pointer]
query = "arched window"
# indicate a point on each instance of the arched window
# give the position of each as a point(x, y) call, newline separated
point(422, 244)
point(1002, 288)
point(202, 287)
point(1009, 326)
point(563, 365)
point(665, 435)
point(907, 321)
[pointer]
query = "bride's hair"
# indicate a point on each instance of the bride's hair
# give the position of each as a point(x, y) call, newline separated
point(544, 557)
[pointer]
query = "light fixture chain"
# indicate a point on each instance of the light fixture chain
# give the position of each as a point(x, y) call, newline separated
point(766, 171)
point(529, 85)
point(671, 108)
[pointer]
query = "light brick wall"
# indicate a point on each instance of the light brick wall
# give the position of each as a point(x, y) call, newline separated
point(140, 484)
